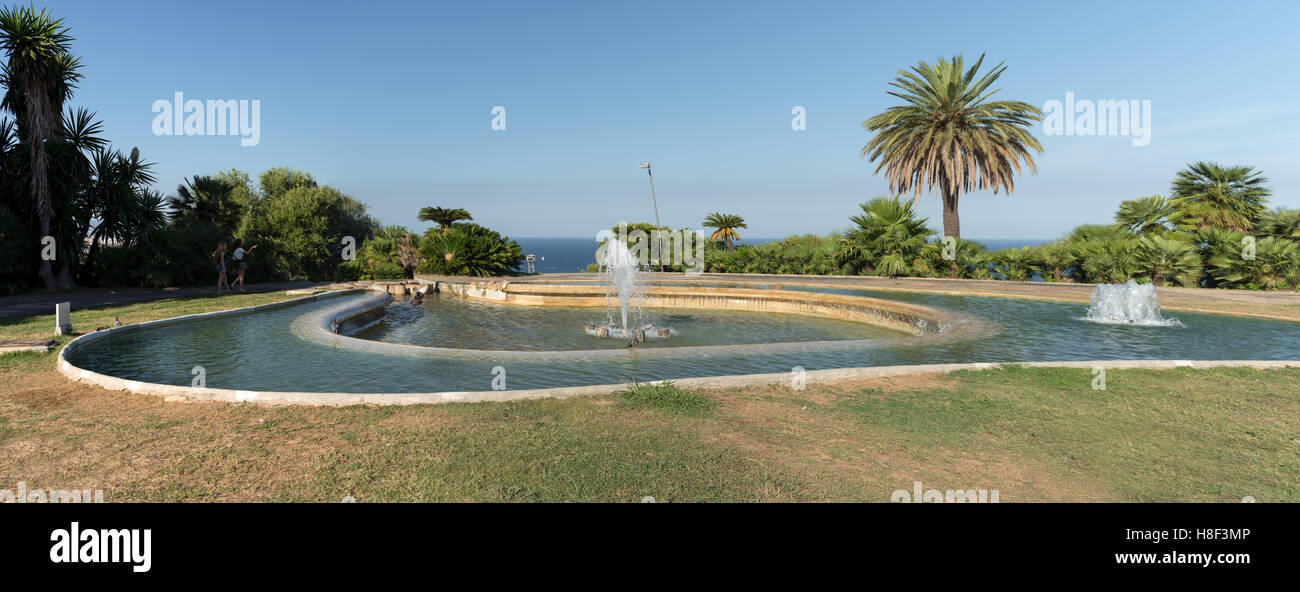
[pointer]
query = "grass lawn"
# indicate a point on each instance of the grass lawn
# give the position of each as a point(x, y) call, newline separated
point(1032, 434)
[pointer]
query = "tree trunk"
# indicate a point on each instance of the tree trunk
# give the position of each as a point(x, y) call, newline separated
point(731, 248)
point(38, 131)
point(951, 223)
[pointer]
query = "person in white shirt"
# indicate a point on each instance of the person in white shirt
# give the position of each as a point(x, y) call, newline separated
point(240, 261)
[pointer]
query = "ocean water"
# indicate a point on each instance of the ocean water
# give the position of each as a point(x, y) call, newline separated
point(568, 255)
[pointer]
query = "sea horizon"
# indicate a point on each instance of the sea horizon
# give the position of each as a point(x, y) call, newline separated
point(568, 254)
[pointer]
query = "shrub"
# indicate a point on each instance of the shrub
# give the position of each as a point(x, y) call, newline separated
point(468, 249)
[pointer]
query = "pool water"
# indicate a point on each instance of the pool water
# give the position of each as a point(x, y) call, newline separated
point(468, 324)
point(259, 351)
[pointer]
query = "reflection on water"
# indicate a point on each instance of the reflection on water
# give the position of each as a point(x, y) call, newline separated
point(259, 352)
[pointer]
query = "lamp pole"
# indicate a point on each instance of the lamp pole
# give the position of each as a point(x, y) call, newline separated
point(653, 201)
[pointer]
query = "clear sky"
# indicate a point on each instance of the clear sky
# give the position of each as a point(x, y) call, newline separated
point(391, 101)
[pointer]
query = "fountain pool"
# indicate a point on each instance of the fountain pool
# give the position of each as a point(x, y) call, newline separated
point(542, 347)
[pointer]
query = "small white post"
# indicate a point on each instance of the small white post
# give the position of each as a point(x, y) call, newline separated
point(62, 318)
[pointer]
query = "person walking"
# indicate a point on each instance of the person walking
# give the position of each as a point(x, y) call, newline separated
point(222, 280)
point(241, 261)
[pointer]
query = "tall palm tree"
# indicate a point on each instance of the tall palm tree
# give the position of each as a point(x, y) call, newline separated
point(444, 217)
point(1207, 195)
point(726, 225)
point(1145, 215)
point(949, 134)
point(40, 75)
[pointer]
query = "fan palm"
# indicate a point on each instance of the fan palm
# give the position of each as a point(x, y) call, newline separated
point(950, 135)
point(886, 237)
point(40, 75)
point(1274, 266)
point(1206, 195)
point(1281, 222)
point(1145, 215)
point(1053, 260)
point(1169, 261)
point(726, 225)
point(444, 217)
point(205, 199)
point(1108, 259)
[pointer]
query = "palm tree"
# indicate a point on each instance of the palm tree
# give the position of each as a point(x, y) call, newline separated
point(40, 75)
point(726, 225)
point(1207, 195)
point(1281, 222)
point(1053, 260)
point(886, 238)
point(948, 133)
point(205, 199)
point(444, 217)
point(1169, 260)
point(1104, 260)
point(1145, 215)
point(1275, 265)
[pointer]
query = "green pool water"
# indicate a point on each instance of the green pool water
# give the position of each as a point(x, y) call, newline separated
point(259, 351)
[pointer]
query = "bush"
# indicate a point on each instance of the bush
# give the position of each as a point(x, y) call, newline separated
point(348, 271)
point(468, 249)
point(388, 271)
point(300, 233)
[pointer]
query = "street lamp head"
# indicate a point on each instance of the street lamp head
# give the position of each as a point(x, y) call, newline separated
point(645, 165)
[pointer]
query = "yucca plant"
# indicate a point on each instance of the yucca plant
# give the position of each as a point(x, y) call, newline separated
point(39, 77)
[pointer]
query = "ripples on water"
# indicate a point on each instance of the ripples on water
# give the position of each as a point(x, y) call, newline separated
point(258, 352)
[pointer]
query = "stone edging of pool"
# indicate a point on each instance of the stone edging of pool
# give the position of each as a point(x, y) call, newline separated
point(360, 313)
point(899, 316)
point(921, 322)
point(173, 393)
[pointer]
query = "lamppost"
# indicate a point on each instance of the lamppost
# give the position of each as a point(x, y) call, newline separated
point(653, 201)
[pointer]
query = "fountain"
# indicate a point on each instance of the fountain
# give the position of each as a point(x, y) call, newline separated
point(618, 272)
point(1127, 304)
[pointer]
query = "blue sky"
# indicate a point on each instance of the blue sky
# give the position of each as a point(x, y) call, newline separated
point(391, 101)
